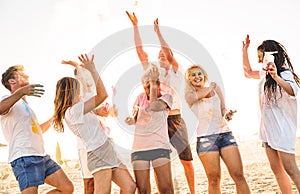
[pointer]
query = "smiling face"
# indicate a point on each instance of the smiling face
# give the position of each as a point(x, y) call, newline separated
point(196, 77)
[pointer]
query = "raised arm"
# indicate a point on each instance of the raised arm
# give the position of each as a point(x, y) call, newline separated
point(101, 93)
point(29, 90)
point(248, 72)
point(165, 47)
point(72, 63)
point(155, 103)
point(143, 56)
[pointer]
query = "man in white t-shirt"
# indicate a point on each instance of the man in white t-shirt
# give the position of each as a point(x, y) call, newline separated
point(171, 81)
point(24, 136)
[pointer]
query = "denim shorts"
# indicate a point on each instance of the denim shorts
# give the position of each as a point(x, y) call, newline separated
point(32, 170)
point(150, 155)
point(215, 142)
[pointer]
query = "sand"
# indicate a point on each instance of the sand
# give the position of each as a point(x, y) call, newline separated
point(256, 168)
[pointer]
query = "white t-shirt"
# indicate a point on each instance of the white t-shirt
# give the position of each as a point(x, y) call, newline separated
point(278, 120)
point(85, 126)
point(22, 131)
point(210, 119)
point(151, 128)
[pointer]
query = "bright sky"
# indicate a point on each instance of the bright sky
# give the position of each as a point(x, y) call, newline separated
point(39, 34)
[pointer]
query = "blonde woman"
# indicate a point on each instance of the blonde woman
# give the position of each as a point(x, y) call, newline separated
point(215, 140)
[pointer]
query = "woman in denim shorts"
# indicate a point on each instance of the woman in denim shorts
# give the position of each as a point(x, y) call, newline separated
point(214, 138)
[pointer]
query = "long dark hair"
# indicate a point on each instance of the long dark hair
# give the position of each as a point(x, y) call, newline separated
point(282, 62)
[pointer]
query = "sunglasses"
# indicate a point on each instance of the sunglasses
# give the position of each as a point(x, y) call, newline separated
point(196, 72)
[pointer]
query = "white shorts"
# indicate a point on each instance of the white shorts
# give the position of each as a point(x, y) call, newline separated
point(104, 157)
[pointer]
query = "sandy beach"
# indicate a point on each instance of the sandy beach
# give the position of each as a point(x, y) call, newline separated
point(256, 167)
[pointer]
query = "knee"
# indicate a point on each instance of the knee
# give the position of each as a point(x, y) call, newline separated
point(292, 172)
point(214, 180)
point(166, 190)
point(238, 176)
point(143, 190)
point(68, 188)
point(131, 187)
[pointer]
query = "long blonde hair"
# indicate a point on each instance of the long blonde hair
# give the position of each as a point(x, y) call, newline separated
point(66, 90)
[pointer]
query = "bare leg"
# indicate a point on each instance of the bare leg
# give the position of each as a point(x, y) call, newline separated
point(102, 181)
point(232, 158)
point(211, 164)
point(279, 171)
point(30, 190)
point(189, 174)
point(142, 176)
point(163, 173)
point(60, 180)
point(123, 179)
point(88, 184)
point(290, 166)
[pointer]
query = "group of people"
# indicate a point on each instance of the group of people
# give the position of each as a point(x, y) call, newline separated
point(158, 124)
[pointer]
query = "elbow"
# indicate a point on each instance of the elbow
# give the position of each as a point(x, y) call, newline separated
point(105, 96)
point(292, 93)
point(100, 99)
point(3, 111)
point(246, 74)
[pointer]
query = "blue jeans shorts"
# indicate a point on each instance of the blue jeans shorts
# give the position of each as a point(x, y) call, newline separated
point(32, 170)
point(215, 142)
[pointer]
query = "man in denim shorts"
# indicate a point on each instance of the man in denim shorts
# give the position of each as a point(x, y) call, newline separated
point(31, 165)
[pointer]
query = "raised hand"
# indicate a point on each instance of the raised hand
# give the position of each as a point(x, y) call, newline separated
point(132, 18)
point(246, 43)
point(156, 26)
point(32, 90)
point(153, 73)
point(86, 62)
